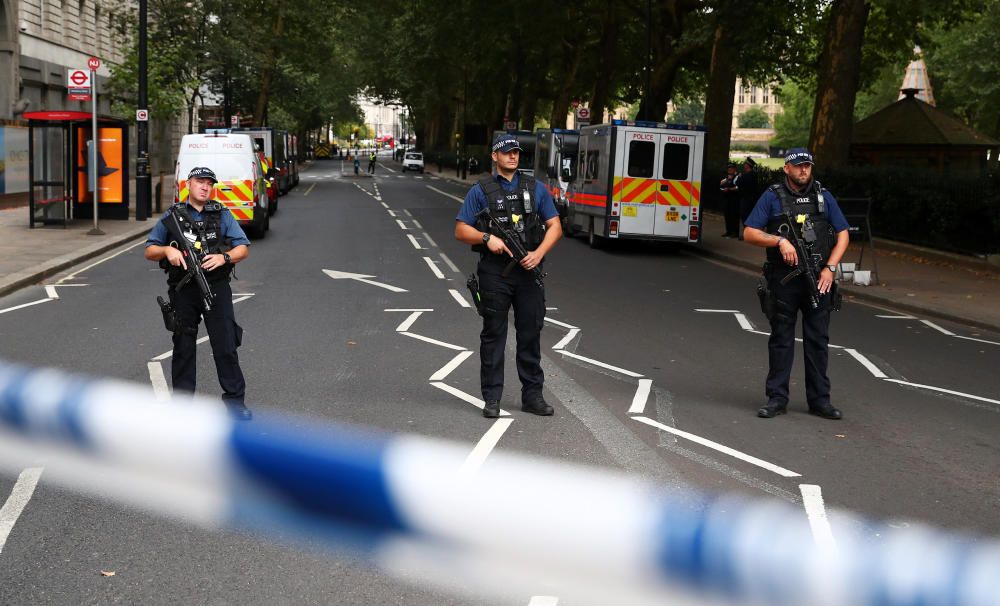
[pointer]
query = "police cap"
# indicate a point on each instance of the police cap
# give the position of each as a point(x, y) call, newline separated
point(798, 155)
point(202, 172)
point(505, 143)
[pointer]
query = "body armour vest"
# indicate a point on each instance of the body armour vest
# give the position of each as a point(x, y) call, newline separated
point(812, 204)
point(504, 206)
point(206, 233)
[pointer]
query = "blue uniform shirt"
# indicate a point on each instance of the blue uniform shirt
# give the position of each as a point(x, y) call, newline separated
point(475, 200)
point(229, 230)
point(769, 205)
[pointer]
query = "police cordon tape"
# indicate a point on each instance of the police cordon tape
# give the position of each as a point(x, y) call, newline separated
point(519, 524)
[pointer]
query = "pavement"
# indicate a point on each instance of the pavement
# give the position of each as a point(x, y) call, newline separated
point(911, 279)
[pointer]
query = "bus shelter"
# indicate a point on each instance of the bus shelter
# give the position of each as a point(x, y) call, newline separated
point(58, 167)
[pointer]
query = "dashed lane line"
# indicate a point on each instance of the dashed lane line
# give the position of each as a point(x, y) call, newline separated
point(484, 447)
point(444, 193)
point(459, 298)
point(812, 499)
point(434, 268)
point(24, 487)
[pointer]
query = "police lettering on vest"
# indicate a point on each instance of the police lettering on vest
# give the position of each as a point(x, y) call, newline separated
point(813, 206)
point(204, 235)
point(515, 210)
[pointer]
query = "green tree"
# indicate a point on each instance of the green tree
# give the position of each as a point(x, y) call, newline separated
point(792, 126)
point(689, 112)
point(754, 117)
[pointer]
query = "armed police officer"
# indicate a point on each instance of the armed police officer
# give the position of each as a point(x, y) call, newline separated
point(521, 206)
point(793, 218)
point(208, 227)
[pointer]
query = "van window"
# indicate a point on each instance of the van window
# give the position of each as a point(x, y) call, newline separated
point(640, 158)
point(593, 165)
point(675, 161)
point(227, 167)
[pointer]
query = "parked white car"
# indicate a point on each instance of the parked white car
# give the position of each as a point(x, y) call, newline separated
point(413, 161)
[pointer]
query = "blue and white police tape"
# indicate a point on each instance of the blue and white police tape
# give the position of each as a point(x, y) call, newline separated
point(591, 536)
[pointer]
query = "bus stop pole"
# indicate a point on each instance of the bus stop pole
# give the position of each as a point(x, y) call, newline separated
point(95, 141)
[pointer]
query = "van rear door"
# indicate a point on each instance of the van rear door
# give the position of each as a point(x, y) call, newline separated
point(676, 189)
point(635, 182)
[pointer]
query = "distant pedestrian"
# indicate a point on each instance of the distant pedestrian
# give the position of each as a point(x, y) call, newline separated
point(357, 166)
point(746, 184)
point(371, 163)
point(730, 202)
point(798, 209)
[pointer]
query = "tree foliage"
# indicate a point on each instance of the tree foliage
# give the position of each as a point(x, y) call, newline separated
point(754, 117)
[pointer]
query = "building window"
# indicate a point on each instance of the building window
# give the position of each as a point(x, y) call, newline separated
point(753, 95)
point(742, 90)
point(765, 92)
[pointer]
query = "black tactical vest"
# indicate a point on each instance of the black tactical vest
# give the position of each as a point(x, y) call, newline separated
point(207, 240)
point(505, 206)
point(812, 205)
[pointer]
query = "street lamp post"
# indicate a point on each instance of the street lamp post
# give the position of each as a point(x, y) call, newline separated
point(143, 193)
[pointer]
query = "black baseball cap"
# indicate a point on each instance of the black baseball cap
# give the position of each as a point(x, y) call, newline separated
point(202, 172)
point(505, 143)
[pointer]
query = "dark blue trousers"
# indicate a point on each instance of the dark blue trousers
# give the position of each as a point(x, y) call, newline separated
point(499, 294)
point(224, 334)
point(790, 299)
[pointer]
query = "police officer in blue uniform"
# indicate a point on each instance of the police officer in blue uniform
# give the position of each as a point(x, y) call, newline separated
point(523, 205)
point(784, 292)
point(210, 226)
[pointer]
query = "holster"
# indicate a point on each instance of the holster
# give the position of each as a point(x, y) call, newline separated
point(836, 297)
point(169, 315)
point(764, 295)
point(473, 284)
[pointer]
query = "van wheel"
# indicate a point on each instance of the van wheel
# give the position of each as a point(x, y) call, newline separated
point(593, 239)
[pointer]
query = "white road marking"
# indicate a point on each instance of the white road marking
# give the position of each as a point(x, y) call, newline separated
point(158, 380)
point(387, 168)
point(448, 262)
point(391, 212)
point(384, 204)
point(458, 297)
point(781, 471)
point(719, 311)
point(414, 242)
point(430, 240)
point(242, 298)
point(544, 600)
point(558, 323)
point(641, 396)
point(943, 390)
point(437, 272)
point(744, 322)
point(401, 224)
point(23, 305)
point(306, 193)
point(444, 193)
point(408, 322)
point(461, 395)
point(896, 317)
point(627, 373)
point(433, 341)
point(407, 212)
point(96, 263)
point(977, 340)
point(51, 291)
point(340, 275)
point(812, 498)
point(937, 328)
point(448, 368)
point(407, 309)
point(567, 338)
point(416, 223)
point(484, 447)
point(24, 487)
point(878, 374)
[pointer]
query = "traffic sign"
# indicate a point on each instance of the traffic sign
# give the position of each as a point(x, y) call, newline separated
point(93, 63)
point(583, 113)
point(142, 115)
point(77, 78)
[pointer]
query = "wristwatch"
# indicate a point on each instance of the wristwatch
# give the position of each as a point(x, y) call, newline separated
point(832, 268)
point(228, 259)
point(486, 238)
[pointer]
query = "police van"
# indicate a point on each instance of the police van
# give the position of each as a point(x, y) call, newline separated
point(555, 162)
point(242, 187)
point(637, 180)
point(272, 143)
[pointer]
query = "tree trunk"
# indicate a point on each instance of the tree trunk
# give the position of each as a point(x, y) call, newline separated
point(570, 65)
point(838, 78)
point(719, 110)
point(607, 53)
point(267, 74)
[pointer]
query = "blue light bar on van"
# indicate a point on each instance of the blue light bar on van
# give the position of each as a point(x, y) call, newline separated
point(565, 131)
point(216, 131)
point(650, 124)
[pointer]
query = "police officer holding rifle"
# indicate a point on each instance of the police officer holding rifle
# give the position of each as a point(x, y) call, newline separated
point(188, 242)
point(512, 222)
point(806, 235)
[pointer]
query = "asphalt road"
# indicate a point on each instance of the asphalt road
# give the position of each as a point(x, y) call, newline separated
point(918, 439)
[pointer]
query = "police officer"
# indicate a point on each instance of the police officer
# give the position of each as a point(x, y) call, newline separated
point(508, 196)
point(371, 162)
point(802, 199)
point(210, 226)
point(730, 201)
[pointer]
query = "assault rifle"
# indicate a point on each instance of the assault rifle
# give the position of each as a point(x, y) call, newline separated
point(514, 244)
point(192, 258)
point(807, 261)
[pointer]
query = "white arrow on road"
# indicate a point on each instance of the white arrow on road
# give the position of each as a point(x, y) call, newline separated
point(341, 275)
